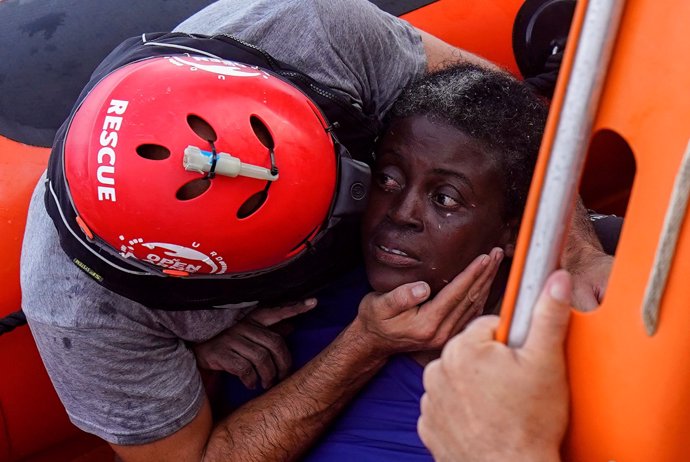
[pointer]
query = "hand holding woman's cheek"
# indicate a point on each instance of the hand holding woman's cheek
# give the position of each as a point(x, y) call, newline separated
point(397, 321)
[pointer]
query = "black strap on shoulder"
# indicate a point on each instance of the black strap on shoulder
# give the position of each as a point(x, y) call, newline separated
point(12, 321)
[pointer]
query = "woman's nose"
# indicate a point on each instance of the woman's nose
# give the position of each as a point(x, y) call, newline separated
point(406, 210)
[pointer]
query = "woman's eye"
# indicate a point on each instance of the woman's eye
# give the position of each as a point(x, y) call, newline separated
point(387, 182)
point(445, 200)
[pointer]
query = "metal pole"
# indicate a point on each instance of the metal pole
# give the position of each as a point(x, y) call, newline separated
point(568, 153)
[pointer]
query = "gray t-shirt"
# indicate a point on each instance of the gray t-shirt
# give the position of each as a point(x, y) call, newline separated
point(125, 372)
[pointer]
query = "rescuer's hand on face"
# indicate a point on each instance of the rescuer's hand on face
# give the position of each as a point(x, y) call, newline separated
point(400, 321)
point(590, 278)
point(584, 258)
point(485, 401)
point(250, 349)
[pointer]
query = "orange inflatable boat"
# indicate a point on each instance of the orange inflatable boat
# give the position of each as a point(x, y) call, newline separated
point(622, 377)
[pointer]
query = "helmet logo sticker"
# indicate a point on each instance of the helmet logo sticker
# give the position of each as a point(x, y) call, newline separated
point(217, 66)
point(175, 257)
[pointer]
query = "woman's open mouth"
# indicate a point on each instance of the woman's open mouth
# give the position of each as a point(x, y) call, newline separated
point(391, 256)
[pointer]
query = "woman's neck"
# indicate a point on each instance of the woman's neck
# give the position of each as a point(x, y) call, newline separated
point(425, 357)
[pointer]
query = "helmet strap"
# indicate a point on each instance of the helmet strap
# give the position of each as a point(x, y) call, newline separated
point(214, 160)
point(274, 167)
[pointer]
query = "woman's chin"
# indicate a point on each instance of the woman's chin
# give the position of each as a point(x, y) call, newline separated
point(384, 281)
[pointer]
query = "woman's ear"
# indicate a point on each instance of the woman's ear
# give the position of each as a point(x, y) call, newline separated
point(509, 237)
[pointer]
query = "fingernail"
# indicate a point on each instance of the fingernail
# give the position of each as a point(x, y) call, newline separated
point(420, 290)
point(559, 290)
point(485, 260)
point(499, 254)
point(310, 302)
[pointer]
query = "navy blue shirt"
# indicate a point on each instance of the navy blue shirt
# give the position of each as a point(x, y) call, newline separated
point(381, 422)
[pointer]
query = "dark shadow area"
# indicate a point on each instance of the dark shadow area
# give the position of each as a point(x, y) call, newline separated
point(606, 183)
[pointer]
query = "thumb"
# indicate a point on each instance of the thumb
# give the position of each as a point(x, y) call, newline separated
point(269, 316)
point(551, 315)
point(390, 304)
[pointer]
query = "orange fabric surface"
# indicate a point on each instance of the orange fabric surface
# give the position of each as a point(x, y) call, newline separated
point(32, 419)
point(483, 27)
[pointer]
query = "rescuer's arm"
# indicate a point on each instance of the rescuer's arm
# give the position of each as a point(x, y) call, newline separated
point(584, 258)
point(439, 53)
point(284, 422)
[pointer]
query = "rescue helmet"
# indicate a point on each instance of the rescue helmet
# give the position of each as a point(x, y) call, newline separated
point(192, 166)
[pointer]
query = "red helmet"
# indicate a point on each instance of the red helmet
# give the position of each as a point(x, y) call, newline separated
point(199, 166)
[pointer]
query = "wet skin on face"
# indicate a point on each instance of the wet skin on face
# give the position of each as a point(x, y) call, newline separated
point(436, 203)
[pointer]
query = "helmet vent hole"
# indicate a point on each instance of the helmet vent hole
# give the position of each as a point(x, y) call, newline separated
point(261, 131)
point(252, 204)
point(202, 128)
point(193, 189)
point(153, 152)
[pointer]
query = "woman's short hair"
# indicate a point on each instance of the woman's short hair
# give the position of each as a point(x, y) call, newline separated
point(500, 112)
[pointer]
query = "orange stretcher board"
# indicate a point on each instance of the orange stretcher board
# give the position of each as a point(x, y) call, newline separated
point(629, 386)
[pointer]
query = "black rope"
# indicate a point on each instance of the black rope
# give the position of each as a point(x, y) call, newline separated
point(12, 321)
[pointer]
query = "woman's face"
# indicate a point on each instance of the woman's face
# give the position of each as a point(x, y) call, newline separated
point(436, 203)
